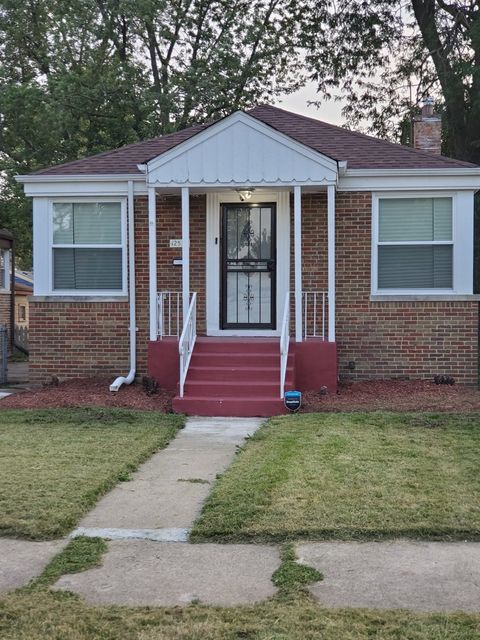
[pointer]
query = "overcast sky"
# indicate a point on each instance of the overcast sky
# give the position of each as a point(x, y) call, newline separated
point(298, 102)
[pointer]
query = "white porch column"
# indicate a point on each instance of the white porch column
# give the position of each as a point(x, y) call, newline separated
point(185, 251)
point(297, 233)
point(152, 261)
point(331, 262)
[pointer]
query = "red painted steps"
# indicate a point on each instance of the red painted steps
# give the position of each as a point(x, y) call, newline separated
point(235, 377)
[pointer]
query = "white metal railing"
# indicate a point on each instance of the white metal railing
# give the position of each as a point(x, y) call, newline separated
point(187, 340)
point(314, 314)
point(284, 343)
point(168, 314)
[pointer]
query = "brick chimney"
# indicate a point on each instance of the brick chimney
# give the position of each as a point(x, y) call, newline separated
point(427, 129)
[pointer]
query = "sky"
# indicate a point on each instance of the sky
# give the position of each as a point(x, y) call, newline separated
point(329, 111)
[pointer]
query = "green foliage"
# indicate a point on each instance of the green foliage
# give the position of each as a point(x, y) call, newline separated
point(393, 57)
point(85, 76)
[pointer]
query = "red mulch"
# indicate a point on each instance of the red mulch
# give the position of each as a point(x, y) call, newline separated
point(387, 395)
point(395, 395)
point(89, 392)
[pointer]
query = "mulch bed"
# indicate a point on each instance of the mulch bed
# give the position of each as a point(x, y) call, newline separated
point(387, 395)
point(395, 395)
point(89, 392)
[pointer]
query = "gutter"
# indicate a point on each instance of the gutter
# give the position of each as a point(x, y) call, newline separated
point(118, 382)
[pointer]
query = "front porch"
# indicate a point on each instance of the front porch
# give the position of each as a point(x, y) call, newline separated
point(252, 268)
point(234, 350)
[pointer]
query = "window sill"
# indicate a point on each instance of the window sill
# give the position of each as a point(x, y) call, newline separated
point(428, 297)
point(60, 298)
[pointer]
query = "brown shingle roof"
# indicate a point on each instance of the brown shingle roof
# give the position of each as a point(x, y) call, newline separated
point(359, 150)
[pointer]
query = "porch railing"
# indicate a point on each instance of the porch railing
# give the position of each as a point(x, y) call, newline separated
point(284, 343)
point(314, 311)
point(168, 314)
point(187, 341)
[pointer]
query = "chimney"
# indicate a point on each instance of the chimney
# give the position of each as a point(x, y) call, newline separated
point(427, 129)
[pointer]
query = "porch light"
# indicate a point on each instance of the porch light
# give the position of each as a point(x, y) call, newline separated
point(244, 194)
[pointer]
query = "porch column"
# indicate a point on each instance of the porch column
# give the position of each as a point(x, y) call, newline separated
point(152, 261)
point(331, 261)
point(185, 251)
point(297, 233)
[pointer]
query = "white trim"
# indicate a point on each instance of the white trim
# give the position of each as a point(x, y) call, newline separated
point(185, 252)
point(43, 246)
point(462, 243)
point(409, 179)
point(152, 262)
point(214, 200)
point(6, 268)
point(331, 262)
point(297, 234)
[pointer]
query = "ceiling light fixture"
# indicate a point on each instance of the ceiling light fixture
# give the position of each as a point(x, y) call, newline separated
point(245, 194)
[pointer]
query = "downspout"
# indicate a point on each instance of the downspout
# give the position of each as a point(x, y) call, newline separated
point(116, 384)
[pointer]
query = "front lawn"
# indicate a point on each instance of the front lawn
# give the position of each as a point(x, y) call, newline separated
point(351, 476)
point(54, 464)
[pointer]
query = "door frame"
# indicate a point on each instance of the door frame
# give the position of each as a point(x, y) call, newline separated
point(215, 199)
point(223, 267)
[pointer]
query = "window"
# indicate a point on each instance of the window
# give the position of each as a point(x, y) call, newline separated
point(4, 270)
point(22, 313)
point(414, 244)
point(87, 246)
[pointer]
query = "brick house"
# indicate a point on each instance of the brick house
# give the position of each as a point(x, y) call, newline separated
point(258, 253)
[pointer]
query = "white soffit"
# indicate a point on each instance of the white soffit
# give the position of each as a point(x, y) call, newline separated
point(240, 150)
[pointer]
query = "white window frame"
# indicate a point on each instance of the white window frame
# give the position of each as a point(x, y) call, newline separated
point(6, 253)
point(462, 242)
point(107, 293)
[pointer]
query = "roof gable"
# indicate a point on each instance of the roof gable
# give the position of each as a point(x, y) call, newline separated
point(240, 150)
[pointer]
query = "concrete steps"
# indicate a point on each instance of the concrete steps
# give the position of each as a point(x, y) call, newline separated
point(235, 377)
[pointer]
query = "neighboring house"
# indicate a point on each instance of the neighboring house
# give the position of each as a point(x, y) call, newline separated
point(22, 294)
point(371, 242)
point(6, 240)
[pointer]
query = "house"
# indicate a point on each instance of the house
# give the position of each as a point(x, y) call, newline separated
point(23, 291)
point(264, 251)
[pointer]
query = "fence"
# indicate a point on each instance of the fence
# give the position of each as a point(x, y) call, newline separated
point(3, 354)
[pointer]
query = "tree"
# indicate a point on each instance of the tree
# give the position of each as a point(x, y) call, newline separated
point(79, 77)
point(384, 57)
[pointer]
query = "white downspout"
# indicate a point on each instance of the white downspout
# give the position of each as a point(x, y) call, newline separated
point(116, 384)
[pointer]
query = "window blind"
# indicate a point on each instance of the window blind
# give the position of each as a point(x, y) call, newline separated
point(87, 223)
point(87, 269)
point(415, 219)
point(423, 265)
point(415, 267)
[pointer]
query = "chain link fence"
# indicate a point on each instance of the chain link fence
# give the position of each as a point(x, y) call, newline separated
point(3, 354)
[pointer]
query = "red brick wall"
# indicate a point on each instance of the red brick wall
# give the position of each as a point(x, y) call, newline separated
point(77, 339)
point(385, 339)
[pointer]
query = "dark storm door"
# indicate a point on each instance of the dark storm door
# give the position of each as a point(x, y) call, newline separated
point(248, 266)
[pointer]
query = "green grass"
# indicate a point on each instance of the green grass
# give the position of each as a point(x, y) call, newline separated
point(45, 615)
point(54, 464)
point(351, 476)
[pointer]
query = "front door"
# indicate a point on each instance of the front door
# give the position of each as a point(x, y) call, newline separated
point(248, 266)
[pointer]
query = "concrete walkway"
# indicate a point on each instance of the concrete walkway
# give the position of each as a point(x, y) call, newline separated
point(165, 496)
point(22, 560)
point(402, 574)
point(148, 521)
